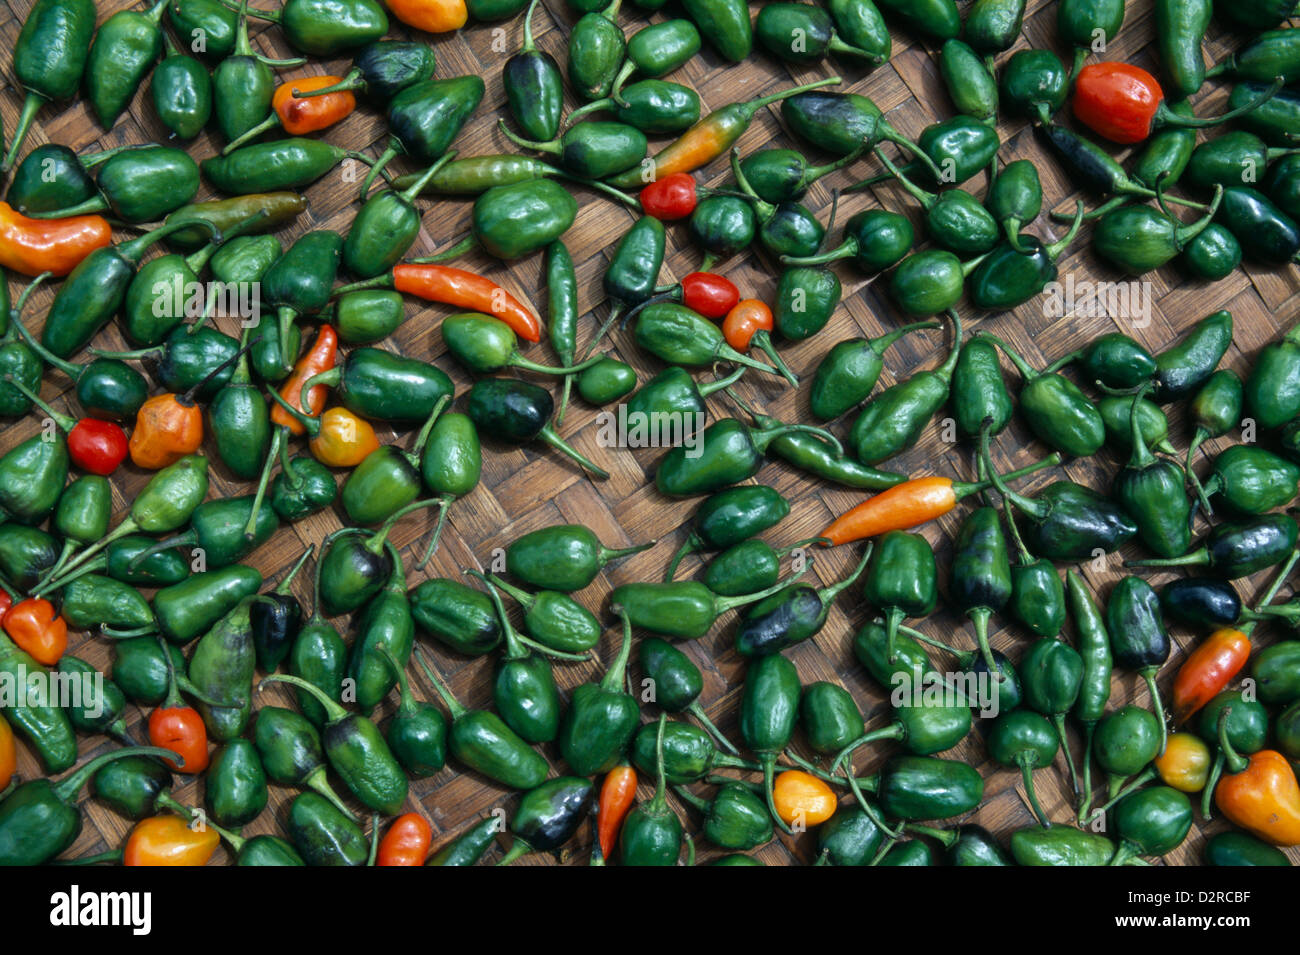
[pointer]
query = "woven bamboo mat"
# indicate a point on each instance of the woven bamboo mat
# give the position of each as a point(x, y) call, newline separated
point(524, 489)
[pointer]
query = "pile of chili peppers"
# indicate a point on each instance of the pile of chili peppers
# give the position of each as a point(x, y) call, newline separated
point(195, 634)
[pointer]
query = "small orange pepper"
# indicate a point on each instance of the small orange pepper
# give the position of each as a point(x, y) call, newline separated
point(8, 755)
point(1185, 763)
point(319, 358)
point(168, 840)
point(1207, 671)
point(32, 246)
point(432, 16)
point(1259, 794)
point(617, 794)
point(304, 115)
point(342, 440)
point(802, 798)
point(406, 842)
point(37, 629)
point(167, 427)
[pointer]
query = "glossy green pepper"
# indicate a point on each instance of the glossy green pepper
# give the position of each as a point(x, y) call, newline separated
point(1206, 603)
point(235, 791)
point(892, 421)
point(222, 667)
point(688, 753)
point(1035, 84)
point(725, 24)
point(769, 710)
point(95, 703)
point(596, 46)
point(549, 815)
point(323, 834)
point(802, 33)
point(954, 218)
point(470, 846)
point(735, 818)
point(1137, 238)
point(848, 838)
point(44, 726)
point(1213, 255)
point(1015, 198)
point(926, 787)
point(1239, 549)
point(980, 391)
point(94, 602)
point(875, 239)
point(790, 616)
point(902, 581)
point(981, 573)
point(1232, 848)
point(969, 82)
point(325, 28)
point(1183, 367)
point(1010, 276)
point(187, 610)
point(1116, 412)
point(1094, 689)
point(516, 412)
point(291, 754)
point(1060, 845)
point(652, 833)
point(1267, 235)
point(125, 48)
point(482, 742)
point(1117, 361)
point(181, 90)
point(677, 682)
point(729, 517)
point(1138, 639)
point(140, 669)
point(726, 453)
point(598, 726)
point(722, 226)
point(606, 381)
point(1026, 741)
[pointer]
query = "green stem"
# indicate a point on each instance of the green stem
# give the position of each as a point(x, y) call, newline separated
point(1027, 773)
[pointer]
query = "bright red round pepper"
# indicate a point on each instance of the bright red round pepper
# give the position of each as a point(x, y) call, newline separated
point(672, 197)
point(711, 295)
point(406, 842)
point(97, 446)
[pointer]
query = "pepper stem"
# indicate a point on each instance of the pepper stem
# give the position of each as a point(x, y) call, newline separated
point(659, 802)
point(62, 420)
point(515, 650)
point(926, 199)
point(252, 133)
point(697, 711)
point(1057, 248)
point(1058, 720)
point(1133, 784)
point(411, 192)
point(548, 435)
point(1027, 773)
point(895, 731)
point(551, 147)
point(429, 551)
point(722, 604)
point(334, 711)
point(1167, 117)
point(750, 109)
point(763, 341)
point(1211, 783)
point(31, 106)
point(353, 81)
point(980, 617)
point(689, 546)
point(612, 682)
point(454, 707)
point(769, 779)
point(1149, 675)
point(278, 441)
point(1085, 802)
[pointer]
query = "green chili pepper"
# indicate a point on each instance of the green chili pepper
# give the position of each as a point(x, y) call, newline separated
point(235, 784)
point(1138, 639)
point(1151, 421)
point(677, 683)
point(482, 742)
point(549, 815)
point(239, 216)
point(875, 239)
point(725, 24)
point(969, 82)
point(1239, 550)
point(746, 567)
point(1213, 255)
point(1026, 741)
point(735, 818)
point(926, 787)
point(849, 371)
point(1201, 602)
point(848, 838)
point(606, 381)
point(803, 33)
point(790, 616)
point(673, 391)
point(1232, 722)
point(652, 833)
point(50, 57)
point(688, 753)
point(1137, 239)
point(1005, 693)
point(40, 818)
point(981, 393)
point(534, 86)
point(1117, 361)
point(1007, 278)
point(769, 709)
point(291, 754)
point(633, 270)
point(596, 46)
point(729, 517)
point(54, 177)
point(598, 726)
point(93, 293)
point(683, 609)
point(892, 421)
point(722, 226)
point(324, 27)
point(1035, 84)
point(323, 834)
point(100, 704)
point(469, 847)
point(1237, 849)
point(222, 667)
point(279, 165)
point(1061, 845)
point(845, 124)
point(1094, 689)
point(1015, 198)
point(728, 452)
point(124, 50)
point(954, 218)
point(93, 602)
point(1185, 366)
point(140, 669)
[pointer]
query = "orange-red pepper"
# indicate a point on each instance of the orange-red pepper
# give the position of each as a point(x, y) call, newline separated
point(178, 727)
point(452, 286)
point(32, 246)
point(1207, 670)
point(431, 16)
point(617, 794)
point(1259, 794)
point(406, 842)
point(34, 625)
point(344, 440)
point(319, 358)
point(750, 323)
point(8, 755)
point(167, 427)
point(304, 115)
point(802, 798)
point(169, 840)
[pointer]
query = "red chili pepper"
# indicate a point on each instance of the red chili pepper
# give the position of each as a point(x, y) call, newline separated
point(406, 842)
point(319, 358)
point(310, 114)
point(750, 323)
point(177, 726)
point(617, 793)
point(709, 294)
point(1207, 670)
point(452, 286)
point(1125, 104)
point(93, 445)
point(33, 246)
point(34, 625)
point(669, 198)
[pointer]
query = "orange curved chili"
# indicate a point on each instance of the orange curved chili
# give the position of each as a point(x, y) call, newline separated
point(802, 798)
point(1207, 671)
point(319, 358)
point(167, 427)
point(617, 793)
point(169, 840)
point(432, 16)
point(452, 286)
point(1262, 797)
point(344, 440)
point(33, 246)
point(898, 508)
point(406, 842)
point(180, 729)
point(8, 755)
point(37, 629)
point(311, 114)
point(1185, 763)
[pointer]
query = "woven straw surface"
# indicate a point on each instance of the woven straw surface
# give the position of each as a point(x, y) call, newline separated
point(525, 489)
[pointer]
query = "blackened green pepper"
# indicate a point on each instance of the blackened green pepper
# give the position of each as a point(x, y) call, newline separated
point(981, 573)
point(534, 86)
point(1138, 639)
point(1185, 366)
point(516, 412)
point(1239, 549)
point(323, 834)
point(790, 616)
point(222, 667)
point(1205, 603)
point(549, 815)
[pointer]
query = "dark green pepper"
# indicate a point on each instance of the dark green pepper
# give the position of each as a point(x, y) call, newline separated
point(33, 713)
point(1206, 603)
point(652, 833)
point(726, 453)
point(1153, 492)
point(124, 50)
point(235, 784)
point(1239, 550)
point(980, 392)
point(1184, 367)
point(769, 710)
point(1015, 198)
point(969, 81)
point(1094, 689)
point(954, 218)
point(790, 616)
point(222, 667)
point(802, 33)
point(596, 47)
point(729, 517)
point(1239, 849)
point(602, 717)
point(677, 682)
point(534, 86)
point(1117, 361)
point(549, 815)
point(290, 749)
point(1138, 639)
point(1035, 84)
point(981, 573)
point(417, 733)
point(735, 818)
point(323, 834)
point(1008, 277)
point(95, 704)
point(725, 24)
point(1026, 741)
point(186, 610)
point(875, 239)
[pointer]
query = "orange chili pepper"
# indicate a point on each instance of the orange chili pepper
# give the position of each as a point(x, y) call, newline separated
point(169, 840)
point(344, 440)
point(914, 502)
point(8, 755)
point(617, 793)
point(1185, 763)
point(803, 798)
point(750, 322)
point(311, 114)
point(1208, 669)
point(431, 16)
point(320, 357)
point(167, 427)
point(176, 726)
point(453, 286)
point(406, 842)
point(33, 246)
point(34, 625)
point(1259, 794)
